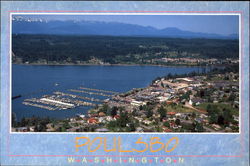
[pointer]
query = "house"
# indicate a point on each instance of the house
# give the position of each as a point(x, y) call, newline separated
point(92, 121)
point(166, 129)
point(169, 102)
point(185, 80)
point(109, 118)
point(172, 124)
point(50, 130)
point(147, 122)
point(116, 117)
point(228, 129)
point(178, 114)
point(72, 119)
point(200, 120)
point(205, 121)
point(139, 119)
point(171, 113)
point(32, 128)
point(203, 116)
point(93, 115)
point(216, 101)
point(190, 102)
point(162, 98)
point(101, 114)
point(164, 120)
point(216, 127)
point(137, 103)
point(139, 129)
point(101, 120)
point(236, 118)
point(184, 101)
point(196, 101)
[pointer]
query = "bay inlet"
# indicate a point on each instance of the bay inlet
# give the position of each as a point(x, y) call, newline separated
point(31, 81)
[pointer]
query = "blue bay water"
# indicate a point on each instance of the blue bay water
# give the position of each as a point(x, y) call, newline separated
point(37, 80)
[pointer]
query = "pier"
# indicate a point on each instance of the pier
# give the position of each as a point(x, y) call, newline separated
point(90, 93)
point(56, 102)
point(80, 97)
point(99, 90)
point(39, 106)
point(47, 101)
point(78, 102)
point(15, 97)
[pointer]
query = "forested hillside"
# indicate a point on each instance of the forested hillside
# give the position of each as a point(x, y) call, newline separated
point(108, 49)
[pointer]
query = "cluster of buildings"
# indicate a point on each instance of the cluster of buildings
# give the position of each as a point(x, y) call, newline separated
point(183, 99)
point(195, 61)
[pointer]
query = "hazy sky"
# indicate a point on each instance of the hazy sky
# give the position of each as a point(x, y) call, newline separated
point(219, 24)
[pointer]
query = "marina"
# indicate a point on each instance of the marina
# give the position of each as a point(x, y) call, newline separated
point(62, 101)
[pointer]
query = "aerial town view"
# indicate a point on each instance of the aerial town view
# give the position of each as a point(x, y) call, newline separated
point(110, 74)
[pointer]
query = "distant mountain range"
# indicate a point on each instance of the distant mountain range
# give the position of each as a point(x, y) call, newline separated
point(22, 25)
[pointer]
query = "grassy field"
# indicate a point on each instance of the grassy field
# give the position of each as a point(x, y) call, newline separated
point(220, 106)
point(178, 108)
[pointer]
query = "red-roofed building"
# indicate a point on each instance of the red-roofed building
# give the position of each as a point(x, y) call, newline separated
point(92, 120)
point(169, 102)
point(94, 115)
point(116, 117)
point(172, 124)
point(171, 113)
point(165, 129)
point(164, 120)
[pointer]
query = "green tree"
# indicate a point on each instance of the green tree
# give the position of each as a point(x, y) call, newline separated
point(178, 122)
point(162, 85)
point(213, 118)
point(123, 120)
point(166, 124)
point(228, 115)
point(221, 120)
point(105, 108)
point(62, 129)
point(193, 115)
point(199, 127)
point(231, 97)
point(149, 113)
point(23, 122)
point(163, 112)
point(114, 111)
point(132, 127)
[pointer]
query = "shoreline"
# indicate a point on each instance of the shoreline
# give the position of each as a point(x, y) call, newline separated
point(41, 64)
point(90, 111)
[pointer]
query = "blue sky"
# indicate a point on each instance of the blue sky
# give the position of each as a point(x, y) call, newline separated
point(219, 24)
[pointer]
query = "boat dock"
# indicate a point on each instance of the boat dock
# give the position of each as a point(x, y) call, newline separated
point(76, 96)
point(60, 100)
point(90, 93)
point(47, 101)
point(99, 90)
point(78, 102)
point(39, 106)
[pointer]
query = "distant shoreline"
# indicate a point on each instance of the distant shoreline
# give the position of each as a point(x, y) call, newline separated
point(65, 64)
